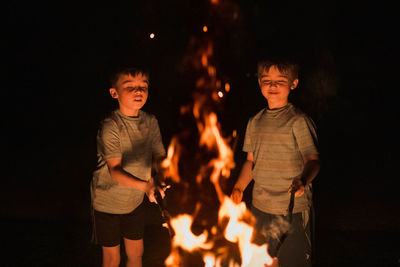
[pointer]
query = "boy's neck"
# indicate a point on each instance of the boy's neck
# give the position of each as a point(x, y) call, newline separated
point(277, 105)
point(129, 112)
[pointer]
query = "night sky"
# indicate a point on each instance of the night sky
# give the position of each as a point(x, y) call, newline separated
point(58, 56)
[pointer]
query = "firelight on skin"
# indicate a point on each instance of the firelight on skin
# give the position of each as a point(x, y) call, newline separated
point(275, 87)
point(131, 94)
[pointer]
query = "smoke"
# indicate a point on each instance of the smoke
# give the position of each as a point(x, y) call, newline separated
point(276, 228)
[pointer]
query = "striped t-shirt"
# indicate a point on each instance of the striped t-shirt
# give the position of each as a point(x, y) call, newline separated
point(136, 141)
point(279, 139)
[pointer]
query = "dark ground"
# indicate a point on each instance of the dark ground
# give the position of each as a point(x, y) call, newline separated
point(47, 227)
point(57, 58)
point(365, 239)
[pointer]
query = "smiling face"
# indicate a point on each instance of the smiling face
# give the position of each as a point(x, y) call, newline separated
point(275, 87)
point(131, 92)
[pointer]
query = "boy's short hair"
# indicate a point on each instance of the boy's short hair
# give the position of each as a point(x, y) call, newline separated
point(133, 71)
point(286, 66)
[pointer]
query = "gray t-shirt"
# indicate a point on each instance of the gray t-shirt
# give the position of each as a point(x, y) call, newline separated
point(136, 141)
point(279, 139)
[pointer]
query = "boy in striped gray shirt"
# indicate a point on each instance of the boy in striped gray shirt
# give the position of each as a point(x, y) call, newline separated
point(282, 156)
point(128, 143)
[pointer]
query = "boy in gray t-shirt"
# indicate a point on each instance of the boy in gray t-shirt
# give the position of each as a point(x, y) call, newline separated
point(282, 156)
point(128, 142)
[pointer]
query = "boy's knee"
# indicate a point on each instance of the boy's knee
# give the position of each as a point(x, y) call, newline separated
point(134, 250)
point(111, 258)
point(134, 254)
point(134, 258)
point(111, 261)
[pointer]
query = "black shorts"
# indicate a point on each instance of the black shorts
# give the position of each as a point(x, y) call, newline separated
point(110, 228)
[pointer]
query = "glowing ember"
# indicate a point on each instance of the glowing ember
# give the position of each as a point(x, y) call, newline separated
point(227, 87)
point(205, 29)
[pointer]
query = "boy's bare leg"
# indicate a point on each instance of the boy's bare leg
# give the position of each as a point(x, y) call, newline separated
point(111, 256)
point(134, 252)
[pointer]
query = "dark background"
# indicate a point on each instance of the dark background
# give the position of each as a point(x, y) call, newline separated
point(57, 58)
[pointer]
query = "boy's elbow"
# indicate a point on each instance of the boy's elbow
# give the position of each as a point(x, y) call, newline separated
point(312, 158)
point(315, 165)
point(315, 160)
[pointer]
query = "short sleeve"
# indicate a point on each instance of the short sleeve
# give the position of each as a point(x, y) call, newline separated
point(108, 140)
point(306, 137)
point(247, 144)
point(157, 145)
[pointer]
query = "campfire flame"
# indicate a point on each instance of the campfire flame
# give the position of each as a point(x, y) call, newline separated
point(240, 232)
point(239, 229)
point(170, 164)
point(184, 237)
point(235, 221)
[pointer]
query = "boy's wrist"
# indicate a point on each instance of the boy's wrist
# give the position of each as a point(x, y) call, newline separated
point(147, 186)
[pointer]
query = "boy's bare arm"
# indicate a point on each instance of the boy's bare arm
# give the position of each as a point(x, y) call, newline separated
point(125, 178)
point(245, 177)
point(311, 169)
point(157, 174)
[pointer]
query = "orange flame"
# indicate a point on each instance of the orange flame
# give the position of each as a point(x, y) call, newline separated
point(239, 227)
point(184, 238)
point(170, 164)
point(237, 231)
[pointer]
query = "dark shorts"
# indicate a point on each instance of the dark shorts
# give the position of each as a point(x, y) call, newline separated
point(108, 229)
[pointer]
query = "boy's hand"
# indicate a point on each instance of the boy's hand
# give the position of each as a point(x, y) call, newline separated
point(298, 187)
point(151, 191)
point(151, 187)
point(237, 195)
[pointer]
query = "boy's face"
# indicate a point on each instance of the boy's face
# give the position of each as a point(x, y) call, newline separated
point(275, 87)
point(131, 92)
